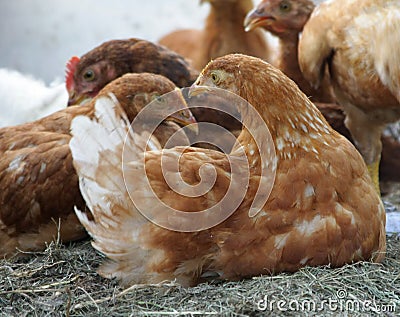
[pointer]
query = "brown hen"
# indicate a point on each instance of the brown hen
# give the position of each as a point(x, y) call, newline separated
point(39, 185)
point(90, 73)
point(323, 207)
point(358, 40)
point(87, 75)
point(389, 167)
point(223, 34)
point(285, 19)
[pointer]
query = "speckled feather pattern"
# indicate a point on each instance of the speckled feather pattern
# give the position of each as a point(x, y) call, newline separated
point(323, 208)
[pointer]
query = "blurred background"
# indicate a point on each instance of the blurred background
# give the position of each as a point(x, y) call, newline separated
point(38, 37)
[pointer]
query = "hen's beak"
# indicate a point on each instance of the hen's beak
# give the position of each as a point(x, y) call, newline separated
point(195, 90)
point(256, 18)
point(184, 117)
point(75, 99)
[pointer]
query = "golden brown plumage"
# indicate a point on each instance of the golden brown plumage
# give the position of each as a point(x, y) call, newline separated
point(358, 40)
point(323, 208)
point(39, 186)
point(223, 34)
point(285, 19)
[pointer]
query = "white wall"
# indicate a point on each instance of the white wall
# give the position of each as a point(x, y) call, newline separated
point(39, 36)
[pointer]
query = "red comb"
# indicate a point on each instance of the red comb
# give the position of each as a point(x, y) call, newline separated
point(69, 73)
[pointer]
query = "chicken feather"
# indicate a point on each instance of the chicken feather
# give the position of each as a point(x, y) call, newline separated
point(323, 208)
point(39, 185)
point(222, 34)
point(286, 19)
point(110, 60)
point(357, 40)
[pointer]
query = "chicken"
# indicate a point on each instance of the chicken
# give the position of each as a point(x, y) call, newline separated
point(285, 19)
point(115, 58)
point(312, 203)
point(358, 40)
point(223, 34)
point(389, 168)
point(186, 42)
point(39, 186)
point(87, 75)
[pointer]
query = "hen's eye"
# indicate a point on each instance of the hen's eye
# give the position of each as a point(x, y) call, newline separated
point(88, 75)
point(158, 98)
point(184, 114)
point(285, 6)
point(215, 78)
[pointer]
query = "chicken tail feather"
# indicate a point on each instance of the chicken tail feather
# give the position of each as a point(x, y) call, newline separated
point(97, 148)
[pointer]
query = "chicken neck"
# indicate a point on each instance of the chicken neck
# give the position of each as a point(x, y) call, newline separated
point(225, 17)
point(289, 63)
point(230, 12)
